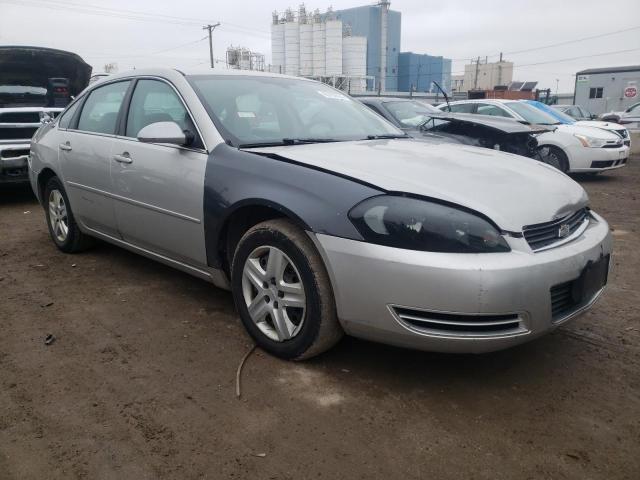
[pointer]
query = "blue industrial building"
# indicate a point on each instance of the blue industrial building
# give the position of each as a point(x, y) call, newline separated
point(366, 21)
point(418, 71)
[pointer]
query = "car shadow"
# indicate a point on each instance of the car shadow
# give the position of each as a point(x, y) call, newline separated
point(389, 367)
point(593, 178)
point(16, 193)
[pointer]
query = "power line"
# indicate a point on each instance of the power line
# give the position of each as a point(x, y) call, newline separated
point(567, 42)
point(90, 9)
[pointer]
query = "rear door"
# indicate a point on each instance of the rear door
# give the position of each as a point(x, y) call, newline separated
point(159, 188)
point(85, 154)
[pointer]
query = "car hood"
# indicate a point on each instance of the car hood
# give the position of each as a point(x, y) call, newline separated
point(511, 190)
point(504, 125)
point(599, 124)
point(590, 131)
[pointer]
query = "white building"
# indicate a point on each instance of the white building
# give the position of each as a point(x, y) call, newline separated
point(318, 46)
point(487, 75)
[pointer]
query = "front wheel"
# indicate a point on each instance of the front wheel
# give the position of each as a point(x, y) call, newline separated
point(555, 157)
point(282, 291)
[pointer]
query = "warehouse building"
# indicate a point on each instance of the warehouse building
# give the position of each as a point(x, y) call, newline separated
point(602, 90)
point(417, 72)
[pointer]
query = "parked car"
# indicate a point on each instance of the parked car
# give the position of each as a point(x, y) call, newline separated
point(35, 84)
point(615, 116)
point(571, 148)
point(577, 112)
point(631, 117)
point(422, 121)
point(565, 119)
point(320, 216)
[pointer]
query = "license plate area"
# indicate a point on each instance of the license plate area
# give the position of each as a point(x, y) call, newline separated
point(592, 279)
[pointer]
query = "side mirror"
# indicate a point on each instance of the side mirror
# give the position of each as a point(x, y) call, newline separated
point(165, 132)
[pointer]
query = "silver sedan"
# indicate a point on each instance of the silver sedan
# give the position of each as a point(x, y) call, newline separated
point(320, 216)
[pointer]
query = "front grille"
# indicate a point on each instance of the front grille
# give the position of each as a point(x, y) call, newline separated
point(20, 117)
point(17, 133)
point(602, 163)
point(613, 145)
point(544, 234)
point(562, 302)
point(449, 324)
point(13, 153)
point(623, 133)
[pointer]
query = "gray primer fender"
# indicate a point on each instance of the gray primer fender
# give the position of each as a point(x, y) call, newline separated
point(317, 200)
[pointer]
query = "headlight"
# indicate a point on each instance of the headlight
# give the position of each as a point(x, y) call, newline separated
point(590, 142)
point(414, 224)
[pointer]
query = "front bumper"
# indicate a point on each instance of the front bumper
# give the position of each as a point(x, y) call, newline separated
point(374, 285)
point(14, 162)
point(589, 160)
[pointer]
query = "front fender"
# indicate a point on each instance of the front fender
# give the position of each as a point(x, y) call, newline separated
point(317, 200)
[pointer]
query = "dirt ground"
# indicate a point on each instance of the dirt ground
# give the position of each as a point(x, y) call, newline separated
point(140, 383)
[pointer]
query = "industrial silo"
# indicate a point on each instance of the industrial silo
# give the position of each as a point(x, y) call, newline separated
point(306, 43)
point(277, 45)
point(333, 47)
point(354, 62)
point(291, 45)
point(319, 69)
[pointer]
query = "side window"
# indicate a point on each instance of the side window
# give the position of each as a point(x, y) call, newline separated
point(596, 92)
point(374, 108)
point(461, 108)
point(494, 111)
point(67, 116)
point(155, 101)
point(100, 111)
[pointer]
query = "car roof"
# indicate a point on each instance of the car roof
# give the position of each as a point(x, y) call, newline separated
point(172, 72)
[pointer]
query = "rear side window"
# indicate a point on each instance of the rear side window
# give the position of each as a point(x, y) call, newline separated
point(492, 110)
point(65, 119)
point(461, 108)
point(100, 110)
point(154, 101)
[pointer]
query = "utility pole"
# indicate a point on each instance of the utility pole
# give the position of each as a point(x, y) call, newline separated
point(210, 28)
point(475, 83)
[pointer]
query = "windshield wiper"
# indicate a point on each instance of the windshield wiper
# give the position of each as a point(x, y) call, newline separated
point(388, 136)
point(288, 141)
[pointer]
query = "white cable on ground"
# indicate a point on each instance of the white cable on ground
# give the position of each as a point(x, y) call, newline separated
point(239, 372)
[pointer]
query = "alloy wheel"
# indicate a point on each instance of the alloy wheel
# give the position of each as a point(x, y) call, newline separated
point(58, 216)
point(274, 293)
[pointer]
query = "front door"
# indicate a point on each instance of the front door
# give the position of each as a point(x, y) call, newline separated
point(158, 187)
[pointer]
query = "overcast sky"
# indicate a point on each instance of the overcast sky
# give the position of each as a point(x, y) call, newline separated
point(457, 29)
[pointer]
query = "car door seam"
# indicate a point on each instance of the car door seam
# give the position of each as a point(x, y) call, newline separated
point(136, 202)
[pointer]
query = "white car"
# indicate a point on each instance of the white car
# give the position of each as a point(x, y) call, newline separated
point(571, 148)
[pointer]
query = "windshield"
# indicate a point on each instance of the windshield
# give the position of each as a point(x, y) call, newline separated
point(411, 114)
point(554, 112)
point(22, 96)
point(252, 110)
point(532, 114)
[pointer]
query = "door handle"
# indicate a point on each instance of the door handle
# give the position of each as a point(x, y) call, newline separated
point(65, 146)
point(124, 158)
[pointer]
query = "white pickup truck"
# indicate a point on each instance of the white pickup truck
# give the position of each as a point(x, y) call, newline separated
point(35, 85)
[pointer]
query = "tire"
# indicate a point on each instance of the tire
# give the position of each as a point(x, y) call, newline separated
point(555, 157)
point(63, 229)
point(294, 317)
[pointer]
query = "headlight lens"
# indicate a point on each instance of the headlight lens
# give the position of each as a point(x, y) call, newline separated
point(590, 142)
point(414, 224)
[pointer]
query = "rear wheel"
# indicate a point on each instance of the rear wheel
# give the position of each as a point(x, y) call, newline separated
point(282, 291)
point(555, 157)
point(63, 228)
